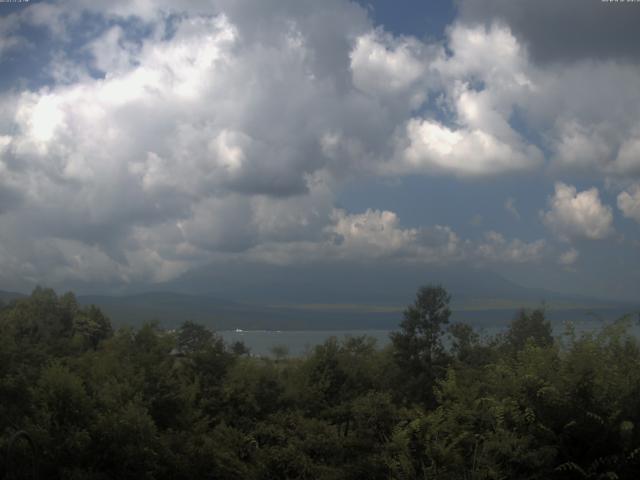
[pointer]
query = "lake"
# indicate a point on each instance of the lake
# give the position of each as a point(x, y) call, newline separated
point(299, 342)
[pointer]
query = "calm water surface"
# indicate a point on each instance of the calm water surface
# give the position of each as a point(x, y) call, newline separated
point(300, 342)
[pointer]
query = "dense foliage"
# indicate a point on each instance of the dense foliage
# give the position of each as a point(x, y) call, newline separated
point(80, 401)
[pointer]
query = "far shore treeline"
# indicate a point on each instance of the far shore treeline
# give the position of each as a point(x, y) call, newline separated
point(80, 400)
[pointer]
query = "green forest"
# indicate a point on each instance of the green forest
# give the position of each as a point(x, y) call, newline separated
point(79, 400)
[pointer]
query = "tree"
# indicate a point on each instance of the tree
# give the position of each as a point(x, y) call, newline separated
point(280, 352)
point(193, 338)
point(418, 346)
point(91, 325)
point(239, 348)
point(529, 326)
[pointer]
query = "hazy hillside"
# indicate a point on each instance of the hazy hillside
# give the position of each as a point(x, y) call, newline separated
point(368, 284)
point(171, 309)
point(309, 302)
point(8, 296)
point(337, 297)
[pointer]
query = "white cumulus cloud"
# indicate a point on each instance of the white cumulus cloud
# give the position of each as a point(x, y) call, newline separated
point(480, 140)
point(568, 257)
point(496, 248)
point(629, 203)
point(226, 128)
point(578, 214)
point(386, 66)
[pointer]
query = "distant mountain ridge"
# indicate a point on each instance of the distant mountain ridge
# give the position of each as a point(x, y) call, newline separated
point(171, 309)
point(361, 284)
point(278, 299)
point(9, 296)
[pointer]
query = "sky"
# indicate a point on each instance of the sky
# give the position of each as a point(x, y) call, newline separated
point(144, 142)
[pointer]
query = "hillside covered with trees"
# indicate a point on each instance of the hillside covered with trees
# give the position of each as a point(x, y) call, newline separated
point(79, 400)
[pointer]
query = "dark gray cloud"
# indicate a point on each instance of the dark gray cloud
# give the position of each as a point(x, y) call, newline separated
point(565, 30)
